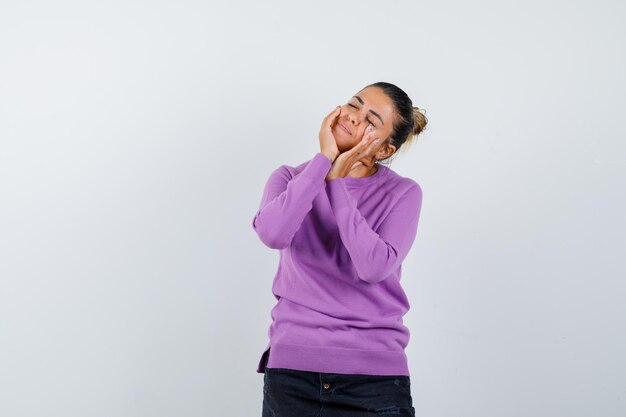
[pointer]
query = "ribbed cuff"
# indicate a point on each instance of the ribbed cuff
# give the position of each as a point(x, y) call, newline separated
point(339, 195)
point(317, 168)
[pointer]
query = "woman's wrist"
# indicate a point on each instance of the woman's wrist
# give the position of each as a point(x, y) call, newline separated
point(331, 156)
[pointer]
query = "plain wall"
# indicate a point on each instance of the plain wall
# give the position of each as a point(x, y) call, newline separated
point(136, 139)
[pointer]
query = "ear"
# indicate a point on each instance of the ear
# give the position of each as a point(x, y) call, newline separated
point(385, 151)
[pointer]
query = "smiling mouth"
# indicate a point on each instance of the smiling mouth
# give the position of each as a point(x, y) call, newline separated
point(344, 129)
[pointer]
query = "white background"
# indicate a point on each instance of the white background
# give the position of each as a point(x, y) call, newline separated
point(135, 141)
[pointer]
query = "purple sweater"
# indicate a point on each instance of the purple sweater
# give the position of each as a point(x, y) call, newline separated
point(341, 244)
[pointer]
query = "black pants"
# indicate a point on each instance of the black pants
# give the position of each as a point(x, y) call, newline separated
point(294, 393)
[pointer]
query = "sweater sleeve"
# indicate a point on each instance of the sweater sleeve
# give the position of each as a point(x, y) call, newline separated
point(286, 201)
point(376, 254)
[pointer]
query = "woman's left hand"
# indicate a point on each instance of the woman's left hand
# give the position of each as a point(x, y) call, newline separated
point(361, 154)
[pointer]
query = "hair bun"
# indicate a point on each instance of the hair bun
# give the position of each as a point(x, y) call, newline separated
point(419, 120)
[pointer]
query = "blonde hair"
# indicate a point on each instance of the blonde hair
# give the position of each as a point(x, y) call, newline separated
point(419, 124)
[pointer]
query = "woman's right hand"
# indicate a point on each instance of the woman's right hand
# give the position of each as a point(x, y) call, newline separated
point(328, 144)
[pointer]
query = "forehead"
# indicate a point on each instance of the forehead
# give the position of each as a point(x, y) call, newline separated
point(378, 101)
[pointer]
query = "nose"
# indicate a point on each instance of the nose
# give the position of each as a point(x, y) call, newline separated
point(353, 117)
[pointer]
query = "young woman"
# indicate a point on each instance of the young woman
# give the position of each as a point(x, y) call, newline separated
point(343, 223)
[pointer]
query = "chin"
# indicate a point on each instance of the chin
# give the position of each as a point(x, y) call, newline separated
point(341, 140)
point(345, 145)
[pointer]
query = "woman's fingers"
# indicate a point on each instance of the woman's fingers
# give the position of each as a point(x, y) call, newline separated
point(330, 118)
point(368, 145)
point(369, 138)
point(370, 133)
point(328, 144)
point(326, 120)
point(335, 116)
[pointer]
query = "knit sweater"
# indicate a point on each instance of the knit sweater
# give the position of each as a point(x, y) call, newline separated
point(339, 300)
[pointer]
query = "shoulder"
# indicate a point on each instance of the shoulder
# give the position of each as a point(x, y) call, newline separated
point(400, 185)
point(287, 172)
point(291, 169)
point(296, 169)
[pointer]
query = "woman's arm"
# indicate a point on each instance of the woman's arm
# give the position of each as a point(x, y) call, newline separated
point(376, 254)
point(287, 200)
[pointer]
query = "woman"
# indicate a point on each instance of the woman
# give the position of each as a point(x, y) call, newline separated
point(343, 223)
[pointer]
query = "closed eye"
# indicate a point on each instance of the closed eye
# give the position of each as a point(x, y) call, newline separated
point(367, 118)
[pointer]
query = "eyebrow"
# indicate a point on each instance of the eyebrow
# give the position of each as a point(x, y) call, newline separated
point(371, 111)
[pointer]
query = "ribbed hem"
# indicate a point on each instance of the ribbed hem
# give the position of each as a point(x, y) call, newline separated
point(334, 360)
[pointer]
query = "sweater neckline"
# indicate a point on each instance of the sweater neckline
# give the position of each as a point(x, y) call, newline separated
point(382, 169)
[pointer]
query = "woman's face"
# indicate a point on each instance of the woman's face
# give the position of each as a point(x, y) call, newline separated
point(369, 106)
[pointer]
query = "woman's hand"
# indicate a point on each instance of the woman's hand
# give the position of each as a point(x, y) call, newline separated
point(361, 154)
point(328, 144)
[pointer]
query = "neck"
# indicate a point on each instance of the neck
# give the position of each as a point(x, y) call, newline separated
point(363, 171)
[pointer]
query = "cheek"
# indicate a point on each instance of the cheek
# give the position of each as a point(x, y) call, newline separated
point(346, 110)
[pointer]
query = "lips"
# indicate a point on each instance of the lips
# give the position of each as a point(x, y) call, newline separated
point(344, 128)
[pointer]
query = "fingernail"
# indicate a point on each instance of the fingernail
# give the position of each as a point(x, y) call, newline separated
point(377, 140)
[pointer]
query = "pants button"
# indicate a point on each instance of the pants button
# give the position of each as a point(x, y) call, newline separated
point(326, 386)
